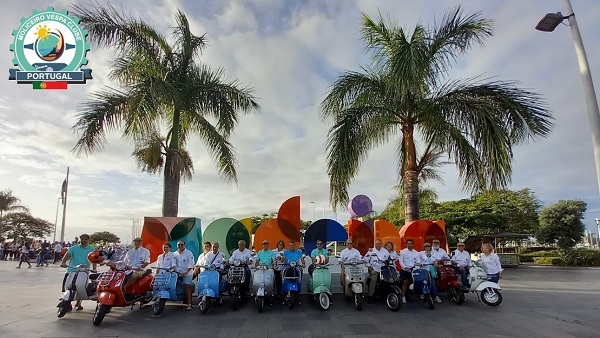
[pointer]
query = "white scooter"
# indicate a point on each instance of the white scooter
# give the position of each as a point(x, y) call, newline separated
point(354, 281)
point(80, 285)
point(488, 292)
point(263, 285)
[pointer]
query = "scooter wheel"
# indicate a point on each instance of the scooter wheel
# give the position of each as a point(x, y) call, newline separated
point(393, 302)
point(292, 301)
point(63, 308)
point(429, 301)
point(358, 301)
point(204, 305)
point(491, 297)
point(101, 311)
point(158, 306)
point(260, 302)
point(324, 301)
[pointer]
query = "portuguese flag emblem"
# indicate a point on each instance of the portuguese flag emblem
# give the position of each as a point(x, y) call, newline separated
point(49, 85)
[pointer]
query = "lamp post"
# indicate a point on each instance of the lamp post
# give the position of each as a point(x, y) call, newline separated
point(56, 218)
point(598, 238)
point(314, 214)
point(548, 24)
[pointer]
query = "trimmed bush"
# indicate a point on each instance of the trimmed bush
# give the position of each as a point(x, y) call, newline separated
point(547, 260)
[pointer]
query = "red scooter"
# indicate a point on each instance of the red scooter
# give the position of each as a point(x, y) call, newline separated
point(449, 281)
point(111, 291)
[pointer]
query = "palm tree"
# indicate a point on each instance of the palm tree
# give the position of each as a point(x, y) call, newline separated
point(9, 203)
point(163, 87)
point(406, 92)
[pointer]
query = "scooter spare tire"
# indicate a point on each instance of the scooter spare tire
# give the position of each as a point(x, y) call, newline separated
point(458, 296)
point(158, 306)
point(324, 301)
point(204, 305)
point(358, 301)
point(260, 302)
point(491, 297)
point(63, 308)
point(393, 301)
point(429, 301)
point(101, 311)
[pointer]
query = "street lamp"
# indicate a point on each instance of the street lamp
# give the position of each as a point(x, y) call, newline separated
point(314, 214)
point(548, 24)
point(598, 238)
point(56, 218)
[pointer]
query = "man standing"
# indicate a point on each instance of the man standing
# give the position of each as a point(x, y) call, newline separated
point(185, 264)
point(57, 250)
point(375, 258)
point(137, 258)
point(408, 257)
point(76, 255)
point(463, 261)
point(437, 252)
point(347, 254)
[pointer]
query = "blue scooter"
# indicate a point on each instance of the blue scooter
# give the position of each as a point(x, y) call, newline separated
point(292, 283)
point(167, 287)
point(211, 285)
point(421, 284)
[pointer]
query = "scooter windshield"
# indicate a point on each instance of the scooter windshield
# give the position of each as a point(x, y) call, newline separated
point(118, 255)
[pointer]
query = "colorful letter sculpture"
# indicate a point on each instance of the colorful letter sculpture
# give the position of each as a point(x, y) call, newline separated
point(362, 236)
point(285, 227)
point(326, 230)
point(158, 230)
point(227, 232)
point(421, 231)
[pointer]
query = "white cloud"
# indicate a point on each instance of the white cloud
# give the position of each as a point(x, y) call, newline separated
point(290, 53)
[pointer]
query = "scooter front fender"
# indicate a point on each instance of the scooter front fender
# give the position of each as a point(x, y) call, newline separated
point(488, 284)
point(162, 294)
point(69, 295)
point(107, 298)
point(357, 287)
point(320, 289)
point(396, 289)
point(260, 292)
point(208, 293)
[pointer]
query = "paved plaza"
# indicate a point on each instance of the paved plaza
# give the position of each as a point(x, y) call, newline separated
point(538, 302)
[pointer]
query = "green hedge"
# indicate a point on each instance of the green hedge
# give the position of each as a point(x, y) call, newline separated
point(547, 260)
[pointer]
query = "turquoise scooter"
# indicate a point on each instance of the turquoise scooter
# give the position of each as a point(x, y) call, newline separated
point(319, 284)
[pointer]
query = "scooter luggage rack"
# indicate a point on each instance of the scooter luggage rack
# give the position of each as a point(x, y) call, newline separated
point(105, 278)
point(161, 280)
point(236, 272)
point(354, 271)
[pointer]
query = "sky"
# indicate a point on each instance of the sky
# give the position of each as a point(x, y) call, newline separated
point(289, 52)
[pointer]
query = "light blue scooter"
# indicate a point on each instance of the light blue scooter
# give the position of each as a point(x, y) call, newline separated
point(211, 285)
point(167, 287)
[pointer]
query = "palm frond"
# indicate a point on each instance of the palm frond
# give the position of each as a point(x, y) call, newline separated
point(189, 44)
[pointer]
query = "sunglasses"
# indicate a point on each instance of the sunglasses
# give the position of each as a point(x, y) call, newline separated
point(461, 245)
point(319, 243)
point(427, 246)
point(180, 244)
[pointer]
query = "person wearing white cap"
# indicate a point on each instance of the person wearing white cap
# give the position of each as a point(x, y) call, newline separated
point(137, 258)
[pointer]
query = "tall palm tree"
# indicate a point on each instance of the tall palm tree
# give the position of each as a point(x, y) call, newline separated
point(9, 203)
point(163, 87)
point(406, 93)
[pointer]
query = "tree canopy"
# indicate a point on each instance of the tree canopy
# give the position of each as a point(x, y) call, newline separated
point(561, 223)
point(21, 225)
point(407, 96)
point(104, 237)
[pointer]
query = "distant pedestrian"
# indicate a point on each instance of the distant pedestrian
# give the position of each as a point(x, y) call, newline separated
point(57, 251)
point(25, 255)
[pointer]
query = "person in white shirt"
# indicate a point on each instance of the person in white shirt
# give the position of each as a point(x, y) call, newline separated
point(244, 256)
point(491, 263)
point(463, 261)
point(185, 264)
point(216, 257)
point(166, 260)
point(437, 252)
point(429, 262)
point(202, 259)
point(408, 257)
point(375, 259)
point(57, 250)
point(137, 258)
point(347, 254)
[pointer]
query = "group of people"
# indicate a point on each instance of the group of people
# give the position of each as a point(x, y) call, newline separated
point(23, 251)
point(183, 263)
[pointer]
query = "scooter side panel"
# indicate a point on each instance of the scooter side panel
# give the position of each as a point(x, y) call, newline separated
point(80, 286)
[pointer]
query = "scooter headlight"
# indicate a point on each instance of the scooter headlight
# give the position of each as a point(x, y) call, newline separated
point(81, 267)
point(293, 264)
point(353, 261)
point(237, 262)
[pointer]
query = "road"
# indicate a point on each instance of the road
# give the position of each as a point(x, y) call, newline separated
point(538, 302)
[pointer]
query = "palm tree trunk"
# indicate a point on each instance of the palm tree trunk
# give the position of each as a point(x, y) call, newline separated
point(411, 179)
point(172, 179)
